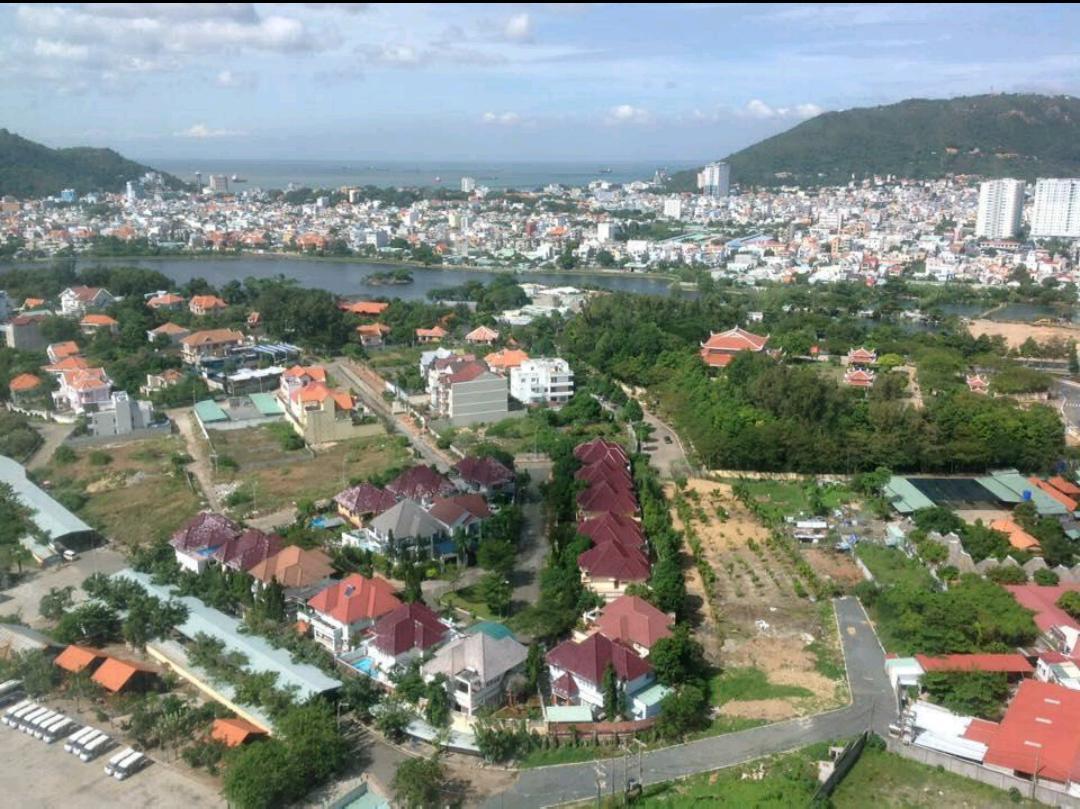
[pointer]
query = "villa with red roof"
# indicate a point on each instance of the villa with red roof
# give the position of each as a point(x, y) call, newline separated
point(247, 550)
point(167, 301)
point(200, 305)
point(485, 475)
point(77, 301)
point(340, 612)
point(61, 351)
point(482, 335)
point(363, 308)
point(360, 503)
point(420, 483)
point(432, 335)
point(721, 347)
point(196, 543)
point(576, 671)
point(634, 622)
point(401, 636)
point(609, 567)
point(503, 360)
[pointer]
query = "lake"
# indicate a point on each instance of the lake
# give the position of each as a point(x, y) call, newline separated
point(347, 277)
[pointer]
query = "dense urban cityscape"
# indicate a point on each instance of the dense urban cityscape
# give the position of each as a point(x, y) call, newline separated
point(416, 480)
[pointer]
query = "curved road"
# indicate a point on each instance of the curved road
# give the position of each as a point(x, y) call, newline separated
point(873, 706)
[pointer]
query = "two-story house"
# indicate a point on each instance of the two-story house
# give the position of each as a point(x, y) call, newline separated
point(201, 345)
point(401, 636)
point(485, 475)
point(576, 672)
point(202, 535)
point(358, 504)
point(404, 526)
point(478, 668)
point(341, 611)
point(77, 301)
point(200, 305)
point(82, 389)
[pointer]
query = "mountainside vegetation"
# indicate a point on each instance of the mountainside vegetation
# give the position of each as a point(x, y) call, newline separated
point(29, 169)
point(1004, 135)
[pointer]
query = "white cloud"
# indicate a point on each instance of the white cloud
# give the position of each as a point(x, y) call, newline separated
point(203, 132)
point(518, 28)
point(501, 118)
point(756, 108)
point(628, 114)
point(232, 79)
point(52, 49)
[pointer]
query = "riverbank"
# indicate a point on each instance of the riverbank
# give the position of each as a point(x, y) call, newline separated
point(381, 261)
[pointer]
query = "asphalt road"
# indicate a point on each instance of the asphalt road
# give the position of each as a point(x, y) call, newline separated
point(873, 706)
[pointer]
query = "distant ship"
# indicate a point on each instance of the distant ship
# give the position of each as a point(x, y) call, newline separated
point(607, 171)
point(236, 178)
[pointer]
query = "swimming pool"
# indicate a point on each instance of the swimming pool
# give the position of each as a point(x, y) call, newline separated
point(364, 665)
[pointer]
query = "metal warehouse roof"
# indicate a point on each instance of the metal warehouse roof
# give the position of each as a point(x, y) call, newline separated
point(1022, 489)
point(904, 497)
point(51, 517)
point(309, 680)
point(210, 411)
point(267, 404)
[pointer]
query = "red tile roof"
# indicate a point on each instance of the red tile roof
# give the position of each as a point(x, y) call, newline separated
point(482, 334)
point(1066, 487)
point(235, 732)
point(356, 598)
point(610, 527)
point(76, 658)
point(410, 626)
point(505, 359)
point(248, 549)
point(1065, 500)
point(205, 530)
point(613, 560)
point(606, 470)
point(365, 499)
point(605, 497)
point(1008, 663)
point(589, 659)
point(420, 483)
point(1039, 731)
point(115, 674)
point(363, 307)
point(24, 382)
point(483, 471)
point(981, 730)
point(294, 566)
point(599, 449)
point(634, 620)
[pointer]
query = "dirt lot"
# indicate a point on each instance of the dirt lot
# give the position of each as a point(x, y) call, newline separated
point(134, 496)
point(278, 478)
point(1016, 333)
point(768, 623)
point(38, 775)
point(24, 597)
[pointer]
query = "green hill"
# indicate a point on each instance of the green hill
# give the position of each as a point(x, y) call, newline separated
point(29, 169)
point(1024, 136)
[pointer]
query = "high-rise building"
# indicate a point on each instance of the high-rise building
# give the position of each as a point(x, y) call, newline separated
point(68, 195)
point(468, 184)
point(219, 184)
point(134, 190)
point(715, 180)
point(1057, 208)
point(673, 208)
point(1001, 202)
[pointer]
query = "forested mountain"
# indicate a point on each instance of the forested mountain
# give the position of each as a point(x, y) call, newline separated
point(29, 169)
point(1015, 135)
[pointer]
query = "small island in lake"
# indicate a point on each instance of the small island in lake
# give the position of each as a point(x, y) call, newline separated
point(398, 277)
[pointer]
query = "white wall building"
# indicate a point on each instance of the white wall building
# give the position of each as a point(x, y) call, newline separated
point(1001, 203)
point(715, 180)
point(606, 231)
point(1057, 208)
point(468, 184)
point(673, 208)
point(543, 380)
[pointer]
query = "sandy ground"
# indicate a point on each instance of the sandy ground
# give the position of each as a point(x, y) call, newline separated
point(1017, 333)
point(987, 515)
point(765, 624)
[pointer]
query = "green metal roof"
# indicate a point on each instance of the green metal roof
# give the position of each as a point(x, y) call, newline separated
point(999, 490)
point(51, 517)
point(652, 695)
point(1023, 489)
point(904, 497)
point(267, 404)
point(568, 713)
point(210, 411)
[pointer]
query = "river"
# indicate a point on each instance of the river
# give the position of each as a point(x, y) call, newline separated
point(347, 277)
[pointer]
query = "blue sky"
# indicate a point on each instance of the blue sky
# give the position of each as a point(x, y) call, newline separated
point(501, 81)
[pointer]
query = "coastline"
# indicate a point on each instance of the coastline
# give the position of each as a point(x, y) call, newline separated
point(380, 261)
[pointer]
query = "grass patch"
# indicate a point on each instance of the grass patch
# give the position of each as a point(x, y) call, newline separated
point(883, 779)
point(568, 754)
point(828, 660)
point(746, 684)
point(784, 498)
point(468, 599)
point(892, 566)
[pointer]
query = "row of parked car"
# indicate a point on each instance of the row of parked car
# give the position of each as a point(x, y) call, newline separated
point(50, 726)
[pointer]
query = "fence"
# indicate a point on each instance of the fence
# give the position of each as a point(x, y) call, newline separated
point(598, 732)
point(842, 766)
point(969, 769)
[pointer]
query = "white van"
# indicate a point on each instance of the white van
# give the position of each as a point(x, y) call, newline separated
point(16, 717)
point(129, 766)
point(115, 759)
point(78, 738)
point(89, 738)
point(58, 730)
point(95, 748)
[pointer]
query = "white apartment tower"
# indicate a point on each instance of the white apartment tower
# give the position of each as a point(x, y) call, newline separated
point(468, 184)
point(1057, 208)
point(542, 380)
point(1001, 202)
point(715, 180)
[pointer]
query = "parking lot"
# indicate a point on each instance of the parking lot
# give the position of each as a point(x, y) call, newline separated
point(34, 774)
point(24, 597)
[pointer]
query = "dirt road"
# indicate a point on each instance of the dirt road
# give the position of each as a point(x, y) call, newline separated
point(201, 466)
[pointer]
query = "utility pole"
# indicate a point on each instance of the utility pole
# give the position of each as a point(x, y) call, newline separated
point(598, 768)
